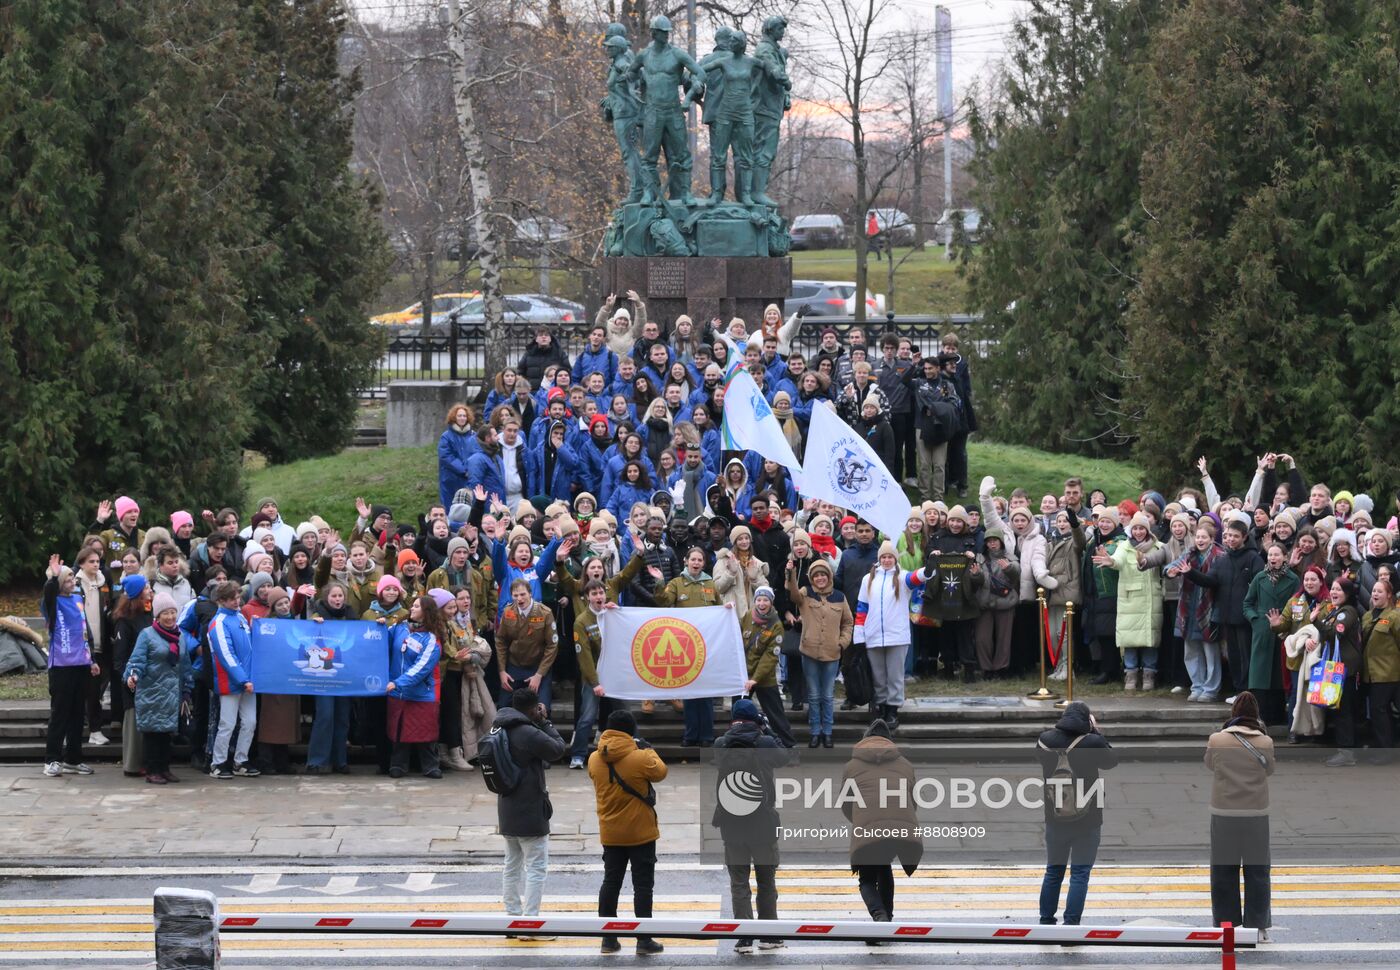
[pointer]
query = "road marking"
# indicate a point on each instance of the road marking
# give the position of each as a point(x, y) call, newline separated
point(339, 886)
point(420, 882)
point(263, 882)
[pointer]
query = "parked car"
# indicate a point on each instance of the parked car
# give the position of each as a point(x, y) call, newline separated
point(895, 225)
point(971, 222)
point(443, 304)
point(534, 234)
point(821, 231)
point(522, 309)
point(830, 299)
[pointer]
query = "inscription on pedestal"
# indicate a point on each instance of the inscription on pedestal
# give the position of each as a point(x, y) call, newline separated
point(666, 278)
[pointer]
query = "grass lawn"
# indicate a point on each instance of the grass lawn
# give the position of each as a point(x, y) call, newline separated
point(24, 687)
point(924, 283)
point(405, 479)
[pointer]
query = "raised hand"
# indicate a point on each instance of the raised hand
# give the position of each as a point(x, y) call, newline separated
point(479, 493)
point(104, 510)
point(362, 507)
point(632, 295)
point(655, 573)
point(55, 564)
point(207, 515)
point(1201, 464)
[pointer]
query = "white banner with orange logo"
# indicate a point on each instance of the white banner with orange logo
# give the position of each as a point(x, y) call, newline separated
point(671, 654)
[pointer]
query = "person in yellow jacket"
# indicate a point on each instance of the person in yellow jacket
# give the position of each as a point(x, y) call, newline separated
point(762, 630)
point(1380, 636)
point(623, 770)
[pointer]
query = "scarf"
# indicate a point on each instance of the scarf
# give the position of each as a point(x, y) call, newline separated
point(693, 503)
point(825, 545)
point(172, 640)
point(93, 591)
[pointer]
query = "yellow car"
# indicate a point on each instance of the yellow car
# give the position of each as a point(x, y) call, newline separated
point(443, 303)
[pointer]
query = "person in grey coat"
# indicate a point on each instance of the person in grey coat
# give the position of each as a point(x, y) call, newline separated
point(160, 675)
point(523, 815)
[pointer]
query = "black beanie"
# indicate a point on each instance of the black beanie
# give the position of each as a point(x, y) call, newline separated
point(878, 729)
point(622, 721)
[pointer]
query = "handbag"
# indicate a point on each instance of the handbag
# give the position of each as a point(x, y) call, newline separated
point(1326, 677)
point(856, 675)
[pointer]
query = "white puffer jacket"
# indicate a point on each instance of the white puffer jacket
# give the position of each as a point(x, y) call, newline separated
point(882, 607)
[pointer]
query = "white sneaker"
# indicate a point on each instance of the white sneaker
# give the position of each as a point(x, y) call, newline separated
point(771, 944)
point(1232, 698)
point(1264, 937)
point(576, 763)
point(53, 769)
point(98, 738)
point(77, 769)
point(1178, 689)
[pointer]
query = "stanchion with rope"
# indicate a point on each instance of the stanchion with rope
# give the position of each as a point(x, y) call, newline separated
point(1044, 693)
point(1069, 656)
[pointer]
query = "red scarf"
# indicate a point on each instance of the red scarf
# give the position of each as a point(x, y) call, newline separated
point(826, 545)
point(171, 638)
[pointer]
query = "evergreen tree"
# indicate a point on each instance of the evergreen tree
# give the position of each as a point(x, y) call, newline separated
point(49, 198)
point(1056, 170)
point(324, 256)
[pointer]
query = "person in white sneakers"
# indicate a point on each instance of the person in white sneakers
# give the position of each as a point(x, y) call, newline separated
point(232, 647)
point(70, 669)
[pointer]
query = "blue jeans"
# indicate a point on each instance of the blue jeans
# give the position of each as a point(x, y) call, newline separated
point(1203, 666)
point(821, 693)
point(586, 720)
point(329, 732)
point(1145, 657)
point(518, 677)
point(699, 720)
point(1075, 843)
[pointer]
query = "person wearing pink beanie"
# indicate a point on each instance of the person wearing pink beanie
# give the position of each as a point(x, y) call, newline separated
point(182, 530)
point(117, 538)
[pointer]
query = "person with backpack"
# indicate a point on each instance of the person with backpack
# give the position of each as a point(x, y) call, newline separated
point(512, 759)
point(750, 841)
point(938, 420)
point(1241, 757)
point(1071, 754)
point(623, 770)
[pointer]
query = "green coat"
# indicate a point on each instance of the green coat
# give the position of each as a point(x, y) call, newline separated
point(1265, 658)
point(762, 645)
point(1139, 618)
point(1381, 636)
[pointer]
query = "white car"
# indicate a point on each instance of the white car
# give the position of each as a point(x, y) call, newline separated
point(874, 302)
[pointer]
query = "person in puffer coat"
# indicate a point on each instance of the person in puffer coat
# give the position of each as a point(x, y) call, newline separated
point(159, 673)
point(1138, 623)
point(877, 765)
point(996, 598)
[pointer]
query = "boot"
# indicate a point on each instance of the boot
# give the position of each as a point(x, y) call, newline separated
point(1130, 680)
point(716, 185)
point(455, 759)
point(1059, 672)
point(892, 716)
point(742, 178)
point(758, 194)
point(1149, 680)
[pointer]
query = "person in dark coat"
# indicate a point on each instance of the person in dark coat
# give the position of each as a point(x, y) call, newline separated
point(961, 375)
point(540, 354)
point(1071, 838)
point(750, 840)
point(884, 828)
point(523, 815)
point(877, 431)
point(1230, 577)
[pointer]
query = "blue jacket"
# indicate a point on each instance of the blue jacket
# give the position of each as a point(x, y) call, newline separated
point(413, 658)
point(454, 449)
point(489, 472)
point(619, 386)
point(624, 496)
point(603, 361)
point(506, 573)
point(567, 466)
point(592, 466)
point(160, 684)
point(232, 646)
point(710, 446)
point(613, 464)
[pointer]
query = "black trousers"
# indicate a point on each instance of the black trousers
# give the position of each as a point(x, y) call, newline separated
point(877, 891)
point(1171, 663)
point(199, 725)
point(1240, 843)
point(450, 711)
point(955, 479)
point(616, 859)
point(1381, 696)
point(67, 700)
point(155, 750)
point(1344, 718)
point(96, 717)
point(1237, 640)
point(961, 639)
point(402, 751)
point(1025, 637)
point(770, 701)
point(906, 459)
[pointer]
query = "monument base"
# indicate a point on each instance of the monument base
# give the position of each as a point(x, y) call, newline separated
point(703, 287)
point(699, 229)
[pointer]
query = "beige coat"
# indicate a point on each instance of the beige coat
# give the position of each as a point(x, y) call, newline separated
point(735, 583)
point(1241, 786)
point(1307, 719)
point(826, 622)
point(478, 708)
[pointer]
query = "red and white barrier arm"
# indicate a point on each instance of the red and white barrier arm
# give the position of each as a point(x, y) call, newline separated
point(697, 929)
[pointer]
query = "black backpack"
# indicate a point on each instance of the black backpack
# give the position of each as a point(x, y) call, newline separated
point(1064, 803)
point(499, 769)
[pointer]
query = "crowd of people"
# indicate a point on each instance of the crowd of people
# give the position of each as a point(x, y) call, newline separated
point(600, 481)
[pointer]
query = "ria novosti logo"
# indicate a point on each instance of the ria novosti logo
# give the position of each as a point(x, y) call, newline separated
point(740, 793)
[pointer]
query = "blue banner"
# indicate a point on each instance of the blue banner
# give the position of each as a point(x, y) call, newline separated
point(342, 658)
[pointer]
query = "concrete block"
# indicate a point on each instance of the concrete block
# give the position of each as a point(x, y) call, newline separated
point(417, 411)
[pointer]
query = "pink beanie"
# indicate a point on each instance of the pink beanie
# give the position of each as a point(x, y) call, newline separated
point(126, 504)
point(180, 519)
point(441, 597)
point(385, 582)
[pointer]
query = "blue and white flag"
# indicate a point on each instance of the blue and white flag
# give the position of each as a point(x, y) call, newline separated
point(341, 658)
point(749, 425)
point(843, 469)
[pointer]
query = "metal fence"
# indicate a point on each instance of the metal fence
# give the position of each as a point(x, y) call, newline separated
point(438, 356)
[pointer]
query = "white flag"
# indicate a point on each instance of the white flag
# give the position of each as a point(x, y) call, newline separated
point(749, 424)
point(671, 654)
point(843, 469)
